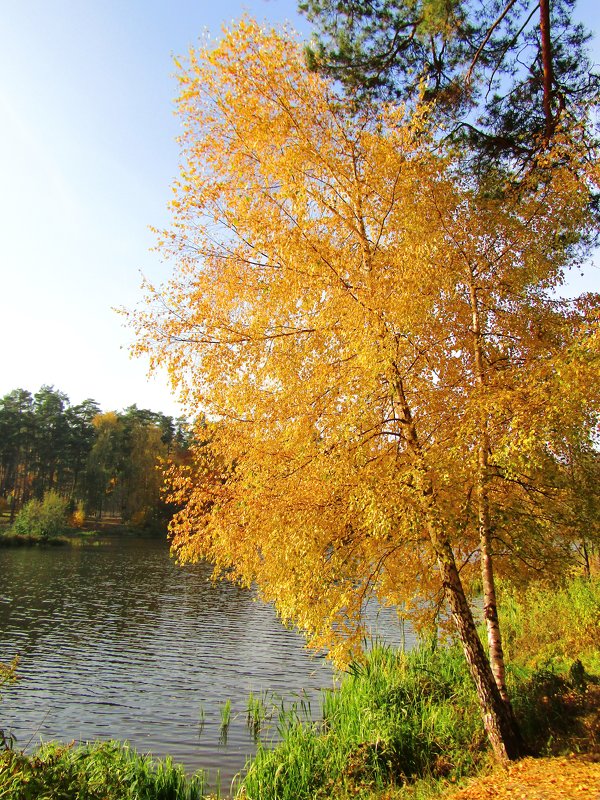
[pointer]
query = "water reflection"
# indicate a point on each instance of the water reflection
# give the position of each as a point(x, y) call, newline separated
point(116, 641)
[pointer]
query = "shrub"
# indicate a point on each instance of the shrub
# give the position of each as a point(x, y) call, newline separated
point(559, 625)
point(44, 519)
point(100, 771)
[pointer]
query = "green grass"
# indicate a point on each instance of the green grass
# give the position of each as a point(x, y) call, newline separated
point(225, 721)
point(259, 711)
point(100, 771)
point(552, 625)
point(396, 717)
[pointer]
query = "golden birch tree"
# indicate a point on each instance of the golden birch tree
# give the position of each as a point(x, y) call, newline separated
point(377, 342)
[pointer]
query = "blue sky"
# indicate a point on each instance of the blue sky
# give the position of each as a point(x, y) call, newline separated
point(87, 157)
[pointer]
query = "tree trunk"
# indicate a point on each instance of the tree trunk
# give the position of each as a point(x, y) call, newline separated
point(498, 720)
point(547, 76)
point(587, 570)
point(490, 606)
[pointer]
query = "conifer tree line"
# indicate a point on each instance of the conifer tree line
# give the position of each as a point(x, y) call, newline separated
point(107, 463)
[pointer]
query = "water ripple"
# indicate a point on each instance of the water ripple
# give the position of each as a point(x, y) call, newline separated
point(119, 642)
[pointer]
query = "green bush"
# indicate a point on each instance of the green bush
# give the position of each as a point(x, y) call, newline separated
point(100, 771)
point(42, 519)
point(558, 624)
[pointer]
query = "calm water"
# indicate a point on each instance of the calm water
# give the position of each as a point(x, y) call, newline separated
point(116, 641)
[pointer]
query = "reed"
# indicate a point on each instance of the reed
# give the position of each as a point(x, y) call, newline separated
point(225, 721)
point(201, 718)
point(395, 717)
point(259, 710)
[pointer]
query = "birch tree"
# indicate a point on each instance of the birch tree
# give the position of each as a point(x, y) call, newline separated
point(377, 343)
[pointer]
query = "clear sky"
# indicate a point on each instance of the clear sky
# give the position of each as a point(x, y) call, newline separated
point(87, 158)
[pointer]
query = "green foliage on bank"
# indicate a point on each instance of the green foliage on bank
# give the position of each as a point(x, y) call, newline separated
point(100, 771)
point(556, 625)
point(395, 717)
point(44, 518)
point(45, 522)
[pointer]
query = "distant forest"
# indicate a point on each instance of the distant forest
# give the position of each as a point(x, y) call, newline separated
point(104, 463)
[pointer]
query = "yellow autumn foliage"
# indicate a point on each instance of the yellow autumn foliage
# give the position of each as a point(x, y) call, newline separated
point(327, 263)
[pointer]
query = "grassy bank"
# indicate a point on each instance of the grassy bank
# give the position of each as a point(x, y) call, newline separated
point(100, 771)
point(74, 538)
point(408, 725)
point(400, 725)
point(394, 719)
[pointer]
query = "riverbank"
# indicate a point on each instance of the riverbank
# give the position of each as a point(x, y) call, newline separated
point(409, 742)
point(73, 538)
point(408, 727)
point(113, 772)
point(92, 532)
point(401, 726)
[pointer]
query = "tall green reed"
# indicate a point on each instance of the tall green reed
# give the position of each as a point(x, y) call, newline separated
point(225, 721)
point(394, 717)
point(259, 711)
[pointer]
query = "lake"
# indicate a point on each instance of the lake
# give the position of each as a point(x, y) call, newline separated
point(117, 641)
